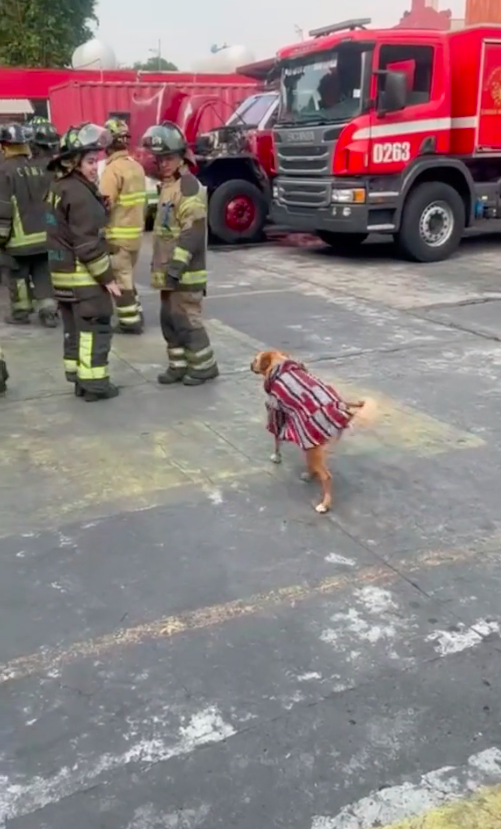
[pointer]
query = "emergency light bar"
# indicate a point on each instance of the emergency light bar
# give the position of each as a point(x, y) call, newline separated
point(357, 23)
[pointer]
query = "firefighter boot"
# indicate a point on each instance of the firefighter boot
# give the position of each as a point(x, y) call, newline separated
point(4, 374)
point(195, 380)
point(170, 376)
point(48, 317)
point(107, 394)
point(18, 318)
point(177, 366)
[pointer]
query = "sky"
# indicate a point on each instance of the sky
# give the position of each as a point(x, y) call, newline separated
point(187, 30)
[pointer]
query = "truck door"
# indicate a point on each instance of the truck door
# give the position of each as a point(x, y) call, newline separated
point(489, 117)
point(398, 137)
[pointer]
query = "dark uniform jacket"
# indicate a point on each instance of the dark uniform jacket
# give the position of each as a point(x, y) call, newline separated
point(24, 183)
point(180, 235)
point(79, 258)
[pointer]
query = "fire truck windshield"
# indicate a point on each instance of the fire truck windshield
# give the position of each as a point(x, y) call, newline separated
point(323, 88)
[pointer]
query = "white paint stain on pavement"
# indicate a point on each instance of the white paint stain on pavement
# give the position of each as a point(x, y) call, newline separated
point(149, 817)
point(398, 803)
point(455, 641)
point(360, 624)
point(375, 599)
point(335, 558)
point(215, 496)
point(19, 798)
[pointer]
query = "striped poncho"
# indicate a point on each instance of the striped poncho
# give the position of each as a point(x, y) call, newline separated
point(301, 408)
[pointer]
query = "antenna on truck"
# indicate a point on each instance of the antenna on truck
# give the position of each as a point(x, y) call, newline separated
point(357, 23)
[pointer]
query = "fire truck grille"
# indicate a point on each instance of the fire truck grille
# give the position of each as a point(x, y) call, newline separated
point(294, 193)
point(306, 160)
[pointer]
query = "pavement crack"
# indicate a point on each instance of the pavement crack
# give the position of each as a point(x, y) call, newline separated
point(462, 303)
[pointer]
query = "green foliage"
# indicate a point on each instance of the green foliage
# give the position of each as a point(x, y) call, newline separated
point(43, 32)
point(155, 64)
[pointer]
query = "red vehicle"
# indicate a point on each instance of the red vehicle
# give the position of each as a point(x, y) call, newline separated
point(390, 131)
point(235, 159)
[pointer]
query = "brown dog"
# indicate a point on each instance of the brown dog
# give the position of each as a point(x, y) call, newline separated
point(304, 410)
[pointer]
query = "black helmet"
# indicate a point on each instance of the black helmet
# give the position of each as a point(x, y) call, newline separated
point(28, 133)
point(45, 135)
point(78, 141)
point(13, 134)
point(165, 139)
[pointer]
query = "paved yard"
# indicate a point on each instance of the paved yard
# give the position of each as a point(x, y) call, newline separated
point(184, 643)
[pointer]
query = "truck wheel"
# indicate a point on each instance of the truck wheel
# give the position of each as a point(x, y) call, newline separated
point(237, 212)
point(433, 222)
point(342, 242)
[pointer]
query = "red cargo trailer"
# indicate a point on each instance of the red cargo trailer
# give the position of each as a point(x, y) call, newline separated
point(72, 103)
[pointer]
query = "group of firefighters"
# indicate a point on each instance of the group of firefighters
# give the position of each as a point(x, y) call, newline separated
point(70, 240)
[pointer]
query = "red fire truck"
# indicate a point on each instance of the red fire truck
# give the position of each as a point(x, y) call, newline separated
point(390, 131)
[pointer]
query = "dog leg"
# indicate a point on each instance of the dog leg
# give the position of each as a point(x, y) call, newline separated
point(316, 462)
point(277, 455)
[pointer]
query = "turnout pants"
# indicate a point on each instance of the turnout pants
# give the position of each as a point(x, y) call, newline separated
point(87, 344)
point(128, 305)
point(30, 287)
point(188, 345)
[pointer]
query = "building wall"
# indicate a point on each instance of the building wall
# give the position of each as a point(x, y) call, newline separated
point(482, 11)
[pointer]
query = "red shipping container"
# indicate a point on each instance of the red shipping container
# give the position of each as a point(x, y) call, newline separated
point(72, 103)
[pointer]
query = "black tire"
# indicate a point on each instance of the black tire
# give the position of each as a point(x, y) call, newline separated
point(342, 242)
point(409, 239)
point(219, 204)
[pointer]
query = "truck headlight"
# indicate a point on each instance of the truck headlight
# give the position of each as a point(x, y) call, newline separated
point(354, 196)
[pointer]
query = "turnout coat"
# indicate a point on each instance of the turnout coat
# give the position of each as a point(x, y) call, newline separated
point(301, 408)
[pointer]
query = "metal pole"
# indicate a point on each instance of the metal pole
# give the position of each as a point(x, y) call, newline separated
point(159, 55)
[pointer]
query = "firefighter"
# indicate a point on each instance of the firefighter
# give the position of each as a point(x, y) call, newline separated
point(123, 184)
point(4, 374)
point(179, 268)
point(23, 237)
point(80, 262)
point(44, 140)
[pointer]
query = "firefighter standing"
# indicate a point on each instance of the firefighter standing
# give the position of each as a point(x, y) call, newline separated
point(80, 262)
point(179, 268)
point(23, 237)
point(123, 184)
point(44, 140)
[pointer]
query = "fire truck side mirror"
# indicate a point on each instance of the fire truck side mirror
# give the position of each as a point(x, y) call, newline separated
point(393, 96)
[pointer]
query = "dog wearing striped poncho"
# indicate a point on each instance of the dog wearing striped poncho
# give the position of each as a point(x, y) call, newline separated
point(304, 410)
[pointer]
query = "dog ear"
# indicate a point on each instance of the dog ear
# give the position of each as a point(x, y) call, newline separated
point(265, 361)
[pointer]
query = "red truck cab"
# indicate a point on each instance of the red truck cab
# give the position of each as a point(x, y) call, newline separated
point(389, 131)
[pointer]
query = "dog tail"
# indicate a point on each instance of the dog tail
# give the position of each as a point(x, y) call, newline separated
point(364, 412)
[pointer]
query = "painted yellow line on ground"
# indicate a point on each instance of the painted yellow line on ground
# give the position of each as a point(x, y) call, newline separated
point(215, 615)
point(466, 796)
point(481, 811)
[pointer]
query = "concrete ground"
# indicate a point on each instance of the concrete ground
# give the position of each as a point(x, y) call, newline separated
point(184, 642)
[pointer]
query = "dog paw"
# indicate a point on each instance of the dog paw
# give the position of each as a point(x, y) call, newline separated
point(321, 509)
point(276, 457)
point(306, 477)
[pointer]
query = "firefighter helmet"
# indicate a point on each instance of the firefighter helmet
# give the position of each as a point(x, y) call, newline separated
point(45, 135)
point(165, 139)
point(28, 133)
point(13, 134)
point(117, 127)
point(86, 138)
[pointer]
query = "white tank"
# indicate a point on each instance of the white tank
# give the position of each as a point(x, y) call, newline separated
point(224, 60)
point(94, 55)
